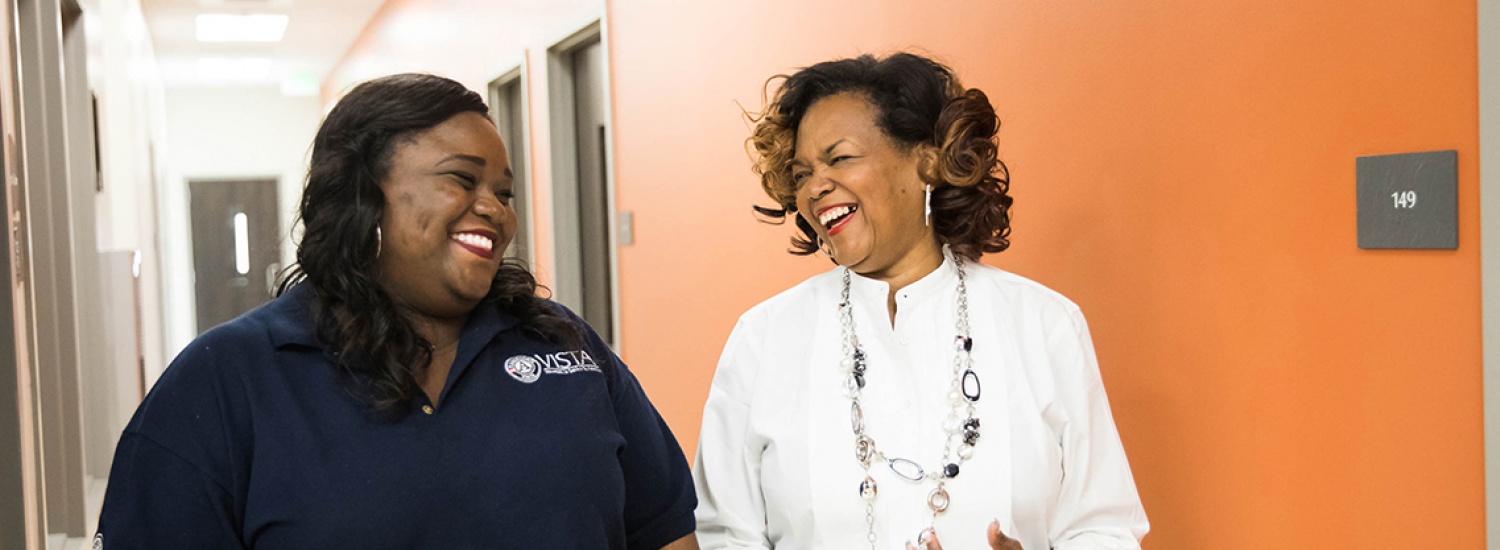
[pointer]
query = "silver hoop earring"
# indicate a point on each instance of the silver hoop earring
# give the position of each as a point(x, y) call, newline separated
point(825, 247)
point(377, 241)
point(928, 205)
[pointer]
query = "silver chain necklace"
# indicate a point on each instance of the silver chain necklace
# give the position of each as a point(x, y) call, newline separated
point(961, 425)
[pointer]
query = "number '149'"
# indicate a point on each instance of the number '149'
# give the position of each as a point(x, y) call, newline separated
point(1404, 199)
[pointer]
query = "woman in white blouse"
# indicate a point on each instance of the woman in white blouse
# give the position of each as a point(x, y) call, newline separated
point(911, 393)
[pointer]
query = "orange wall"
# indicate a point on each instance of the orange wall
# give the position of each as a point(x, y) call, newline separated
point(1184, 170)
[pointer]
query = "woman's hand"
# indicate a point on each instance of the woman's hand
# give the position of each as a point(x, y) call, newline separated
point(998, 540)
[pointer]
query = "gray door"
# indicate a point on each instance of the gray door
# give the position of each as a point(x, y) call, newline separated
point(593, 199)
point(235, 247)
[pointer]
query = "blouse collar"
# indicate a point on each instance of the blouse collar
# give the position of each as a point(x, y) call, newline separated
point(937, 283)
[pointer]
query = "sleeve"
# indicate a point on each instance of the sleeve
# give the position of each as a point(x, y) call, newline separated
point(731, 509)
point(659, 497)
point(1098, 507)
point(157, 499)
point(171, 483)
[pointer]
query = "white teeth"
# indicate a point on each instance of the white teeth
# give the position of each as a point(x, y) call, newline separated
point(833, 214)
point(474, 240)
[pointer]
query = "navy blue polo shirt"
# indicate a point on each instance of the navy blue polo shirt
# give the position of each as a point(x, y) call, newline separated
point(249, 440)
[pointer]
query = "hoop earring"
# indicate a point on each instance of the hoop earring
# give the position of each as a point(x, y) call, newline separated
point(377, 241)
point(825, 247)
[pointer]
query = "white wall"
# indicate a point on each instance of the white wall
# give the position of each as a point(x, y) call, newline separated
point(218, 133)
point(123, 76)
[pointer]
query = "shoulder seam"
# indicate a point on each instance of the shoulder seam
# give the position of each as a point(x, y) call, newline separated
point(179, 456)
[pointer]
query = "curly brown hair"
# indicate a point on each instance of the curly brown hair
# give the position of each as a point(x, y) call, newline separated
point(919, 101)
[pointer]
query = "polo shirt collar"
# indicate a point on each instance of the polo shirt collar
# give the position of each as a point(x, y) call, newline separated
point(291, 325)
point(485, 323)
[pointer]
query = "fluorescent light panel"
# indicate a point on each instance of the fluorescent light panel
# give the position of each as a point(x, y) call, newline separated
point(225, 27)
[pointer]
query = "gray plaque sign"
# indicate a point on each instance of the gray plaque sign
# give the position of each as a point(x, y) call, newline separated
point(1408, 200)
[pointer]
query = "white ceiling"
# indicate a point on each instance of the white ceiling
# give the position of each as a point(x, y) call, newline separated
point(317, 36)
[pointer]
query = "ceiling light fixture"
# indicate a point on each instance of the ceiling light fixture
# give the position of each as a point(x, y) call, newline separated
point(224, 27)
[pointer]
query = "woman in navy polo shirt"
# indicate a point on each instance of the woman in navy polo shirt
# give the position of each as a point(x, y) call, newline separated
point(406, 389)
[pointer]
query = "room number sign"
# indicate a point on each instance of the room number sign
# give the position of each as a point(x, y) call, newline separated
point(1407, 200)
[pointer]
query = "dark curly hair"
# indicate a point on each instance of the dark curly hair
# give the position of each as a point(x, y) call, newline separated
point(377, 352)
point(919, 101)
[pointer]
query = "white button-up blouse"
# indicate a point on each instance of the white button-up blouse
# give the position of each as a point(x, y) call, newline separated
point(776, 466)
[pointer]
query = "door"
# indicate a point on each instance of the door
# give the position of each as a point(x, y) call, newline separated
point(594, 215)
point(236, 252)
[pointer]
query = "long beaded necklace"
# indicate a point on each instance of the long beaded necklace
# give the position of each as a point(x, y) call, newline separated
point(961, 425)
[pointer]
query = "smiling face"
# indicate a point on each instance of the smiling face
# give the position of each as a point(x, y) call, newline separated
point(858, 189)
point(447, 217)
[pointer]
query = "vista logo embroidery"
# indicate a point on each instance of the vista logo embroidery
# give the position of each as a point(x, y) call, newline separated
point(529, 368)
point(524, 368)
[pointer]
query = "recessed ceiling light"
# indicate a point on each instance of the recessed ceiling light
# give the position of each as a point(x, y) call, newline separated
point(224, 27)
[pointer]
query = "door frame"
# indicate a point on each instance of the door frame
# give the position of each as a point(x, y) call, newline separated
point(564, 173)
point(519, 75)
point(21, 520)
point(1489, 254)
point(51, 184)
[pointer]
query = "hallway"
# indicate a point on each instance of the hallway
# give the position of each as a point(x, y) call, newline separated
point(1184, 171)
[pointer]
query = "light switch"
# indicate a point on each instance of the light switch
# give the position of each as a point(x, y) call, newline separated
point(1408, 200)
point(626, 234)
